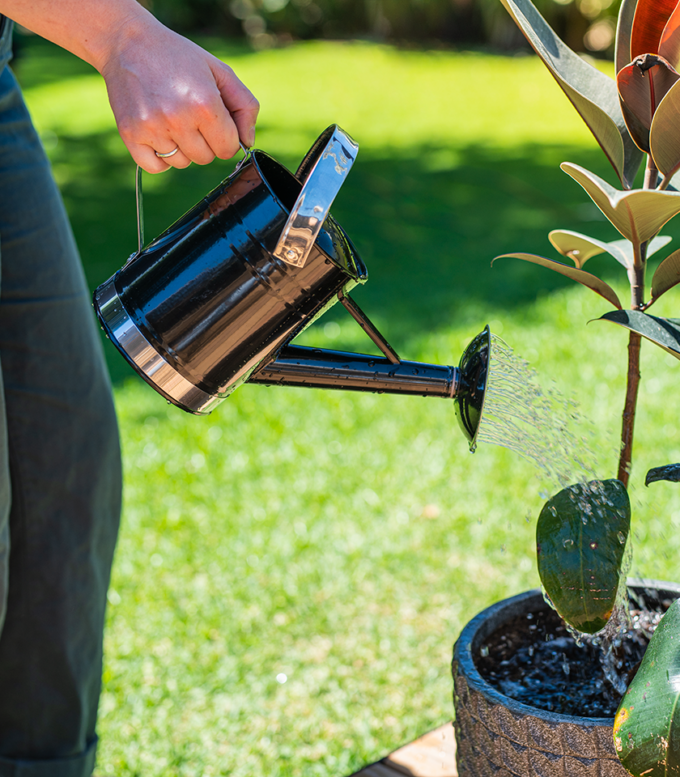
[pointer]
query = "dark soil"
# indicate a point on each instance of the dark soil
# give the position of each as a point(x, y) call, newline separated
point(535, 660)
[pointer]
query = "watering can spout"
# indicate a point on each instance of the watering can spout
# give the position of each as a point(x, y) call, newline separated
point(321, 368)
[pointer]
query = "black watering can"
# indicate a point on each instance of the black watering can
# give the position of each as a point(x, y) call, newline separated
point(216, 299)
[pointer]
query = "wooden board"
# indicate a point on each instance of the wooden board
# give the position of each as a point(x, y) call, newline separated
point(432, 755)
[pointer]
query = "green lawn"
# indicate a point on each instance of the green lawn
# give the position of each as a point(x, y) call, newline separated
point(343, 540)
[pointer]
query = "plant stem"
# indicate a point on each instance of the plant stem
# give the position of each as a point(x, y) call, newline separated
point(637, 289)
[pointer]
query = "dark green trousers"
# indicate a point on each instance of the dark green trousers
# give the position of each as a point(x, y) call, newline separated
point(60, 478)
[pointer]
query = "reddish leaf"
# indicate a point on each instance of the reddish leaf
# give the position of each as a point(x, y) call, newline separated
point(648, 25)
point(580, 276)
point(642, 86)
point(623, 28)
point(669, 47)
point(666, 276)
point(664, 139)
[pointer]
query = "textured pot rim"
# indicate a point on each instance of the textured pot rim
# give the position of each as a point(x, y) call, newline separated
point(478, 629)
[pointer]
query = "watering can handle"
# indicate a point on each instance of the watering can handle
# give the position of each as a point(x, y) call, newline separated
point(322, 173)
point(140, 203)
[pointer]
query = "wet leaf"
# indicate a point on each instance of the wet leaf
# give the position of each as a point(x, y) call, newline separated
point(638, 215)
point(670, 472)
point(580, 276)
point(669, 47)
point(666, 276)
point(580, 539)
point(642, 86)
point(592, 93)
point(664, 138)
point(579, 248)
point(623, 29)
point(648, 25)
point(647, 724)
point(664, 332)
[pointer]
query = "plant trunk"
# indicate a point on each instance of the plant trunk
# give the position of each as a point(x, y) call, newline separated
point(637, 286)
point(628, 425)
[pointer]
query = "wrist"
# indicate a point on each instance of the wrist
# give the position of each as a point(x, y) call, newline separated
point(131, 28)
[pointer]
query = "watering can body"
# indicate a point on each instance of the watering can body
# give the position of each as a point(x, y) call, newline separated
point(208, 301)
point(216, 299)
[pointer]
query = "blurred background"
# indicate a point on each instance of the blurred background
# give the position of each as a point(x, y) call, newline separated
point(293, 570)
point(585, 25)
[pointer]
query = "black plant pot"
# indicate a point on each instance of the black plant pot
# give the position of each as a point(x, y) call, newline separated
point(500, 737)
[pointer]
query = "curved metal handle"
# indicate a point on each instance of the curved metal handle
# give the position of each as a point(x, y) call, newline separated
point(140, 202)
point(320, 188)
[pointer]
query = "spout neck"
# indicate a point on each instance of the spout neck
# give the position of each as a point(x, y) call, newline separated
point(319, 368)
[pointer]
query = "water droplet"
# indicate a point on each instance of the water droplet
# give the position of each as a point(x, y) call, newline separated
point(593, 545)
point(622, 538)
point(484, 651)
point(568, 543)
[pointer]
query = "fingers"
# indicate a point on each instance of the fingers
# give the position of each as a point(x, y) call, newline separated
point(238, 100)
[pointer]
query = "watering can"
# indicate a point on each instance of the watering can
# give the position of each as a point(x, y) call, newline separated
point(216, 299)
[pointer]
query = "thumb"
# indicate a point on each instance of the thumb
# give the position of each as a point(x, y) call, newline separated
point(238, 100)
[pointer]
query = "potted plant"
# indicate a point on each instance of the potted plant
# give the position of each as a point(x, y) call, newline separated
point(583, 531)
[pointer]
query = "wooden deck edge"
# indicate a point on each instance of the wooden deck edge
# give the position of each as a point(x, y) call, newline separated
point(432, 755)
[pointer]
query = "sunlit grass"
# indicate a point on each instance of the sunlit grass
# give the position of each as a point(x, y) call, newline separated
point(342, 540)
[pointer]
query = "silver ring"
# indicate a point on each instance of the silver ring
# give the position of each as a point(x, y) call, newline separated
point(170, 153)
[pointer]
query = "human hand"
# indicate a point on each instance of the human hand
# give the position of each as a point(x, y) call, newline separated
point(166, 92)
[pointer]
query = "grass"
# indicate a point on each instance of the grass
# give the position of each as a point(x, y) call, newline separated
point(343, 540)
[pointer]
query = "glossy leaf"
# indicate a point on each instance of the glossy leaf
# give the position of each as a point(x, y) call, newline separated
point(592, 93)
point(642, 86)
point(575, 246)
point(670, 472)
point(664, 138)
point(667, 275)
point(623, 29)
point(638, 215)
point(580, 542)
point(580, 276)
point(579, 248)
point(669, 46)
point(648, 25)
point(647, 724)
point(664, 332)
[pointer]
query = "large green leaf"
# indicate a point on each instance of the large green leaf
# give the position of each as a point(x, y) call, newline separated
point(638, 215)
point(670, 472)
point(580, 542)
point(669, 47)
point(623, 29)
point(664, 139)
point(579, 248)
point(648, 25)
point(665, 332)
point(642, 86)
point(667, 275)
point(580, 276)
point(647, 724)
point(592, 93)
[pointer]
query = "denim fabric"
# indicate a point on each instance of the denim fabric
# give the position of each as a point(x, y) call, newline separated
point(6, 28)
point(60, 477)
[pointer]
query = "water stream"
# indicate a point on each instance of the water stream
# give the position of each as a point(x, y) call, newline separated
point(536, 422)
point(540, 425)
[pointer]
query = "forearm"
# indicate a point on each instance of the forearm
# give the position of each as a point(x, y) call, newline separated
point(93, 30)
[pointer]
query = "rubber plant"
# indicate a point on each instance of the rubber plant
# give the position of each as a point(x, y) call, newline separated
point(582, 531)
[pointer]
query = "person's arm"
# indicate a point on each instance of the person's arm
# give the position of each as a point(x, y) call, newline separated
point(165, 91)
